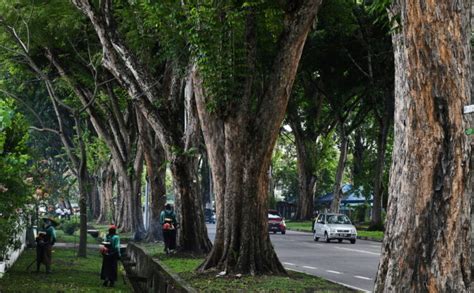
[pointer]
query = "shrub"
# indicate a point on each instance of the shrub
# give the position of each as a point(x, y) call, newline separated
point(360, 213)
point(69, 227)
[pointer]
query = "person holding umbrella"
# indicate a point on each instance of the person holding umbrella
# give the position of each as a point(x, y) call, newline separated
point(45, 241)
point(111, 255)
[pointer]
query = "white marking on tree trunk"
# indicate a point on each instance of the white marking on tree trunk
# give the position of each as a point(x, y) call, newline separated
point(289, 263)
point(363, 278)
point(308, 267)
point(468, 109)
point(357, 250)
point(333, 272)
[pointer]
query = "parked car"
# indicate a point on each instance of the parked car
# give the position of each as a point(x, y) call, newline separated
point(210, 216)
point(276, 223)
point(331, 226)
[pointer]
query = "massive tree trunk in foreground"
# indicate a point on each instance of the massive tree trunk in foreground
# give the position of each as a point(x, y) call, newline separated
point(427, 242)
point(240, 146)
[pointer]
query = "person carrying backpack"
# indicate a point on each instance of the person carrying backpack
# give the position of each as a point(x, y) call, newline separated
point(168, 224)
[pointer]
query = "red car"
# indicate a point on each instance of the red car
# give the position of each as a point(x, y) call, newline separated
point(276, 223)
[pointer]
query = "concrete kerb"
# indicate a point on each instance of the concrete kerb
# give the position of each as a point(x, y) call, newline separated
point(150, 274)
point(358, 237)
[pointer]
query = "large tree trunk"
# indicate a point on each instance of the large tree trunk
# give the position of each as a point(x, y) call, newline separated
point(358, 154)
point(240, 147)
point(118, 215)
point(165, 119)
point(205, 181)
point(189, 208)
point(242, 242)
point(120, 137)
point(426, 246)
point(186, 184)
point(337, 192)
point(106, 194)
point(384, 126)
point(155, 162)
point(138, 226)
point(93, 200)
point(83, 194)
point(306, 176)
point(84, 189)
point(470, 188)
point(130, 216)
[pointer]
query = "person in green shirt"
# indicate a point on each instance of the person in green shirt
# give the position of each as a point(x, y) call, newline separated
point(168, 224)
point(110, 258)
point(45, 241)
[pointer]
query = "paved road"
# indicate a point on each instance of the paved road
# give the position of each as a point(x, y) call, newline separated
point(354, 265)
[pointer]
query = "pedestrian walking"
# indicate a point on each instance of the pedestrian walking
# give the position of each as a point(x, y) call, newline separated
point(168, 223)
point(111, 255)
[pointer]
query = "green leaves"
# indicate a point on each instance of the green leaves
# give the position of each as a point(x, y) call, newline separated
point(14, 193)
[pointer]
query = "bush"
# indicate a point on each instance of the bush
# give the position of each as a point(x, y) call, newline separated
point(376, 227)
point(360, 213)
point(70, 227)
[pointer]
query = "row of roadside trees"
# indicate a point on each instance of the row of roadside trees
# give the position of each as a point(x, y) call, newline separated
point(125, 86)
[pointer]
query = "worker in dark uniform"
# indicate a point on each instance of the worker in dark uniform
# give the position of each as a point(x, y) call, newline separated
point(44, 245)
point(111, 256)
point(168, 224)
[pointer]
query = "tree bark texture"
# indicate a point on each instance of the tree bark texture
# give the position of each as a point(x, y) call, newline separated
point(306, 175)
point(427, 242)
point(358, 155)
point(93, 200)
point(118, 130)
point(155, 162)
point(84, 189)
point(240, 147)
point(205, 182)
point(106, 187)
point(384, 128)
point(470, 188)
point(337, 192)
point(166, 119)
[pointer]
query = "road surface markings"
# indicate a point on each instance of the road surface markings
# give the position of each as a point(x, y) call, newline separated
point(340, 283)
point(363, 278)
point(289, 263)
point(308, 267)
point(333, 272)
point(357, 250)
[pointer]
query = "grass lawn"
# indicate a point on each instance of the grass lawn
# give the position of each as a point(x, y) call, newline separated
point(103, 230)
point(306, 226)
point(378, 235)
point(299, 225)
point(185, 266)
point(70, 274)
point(63, 237)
